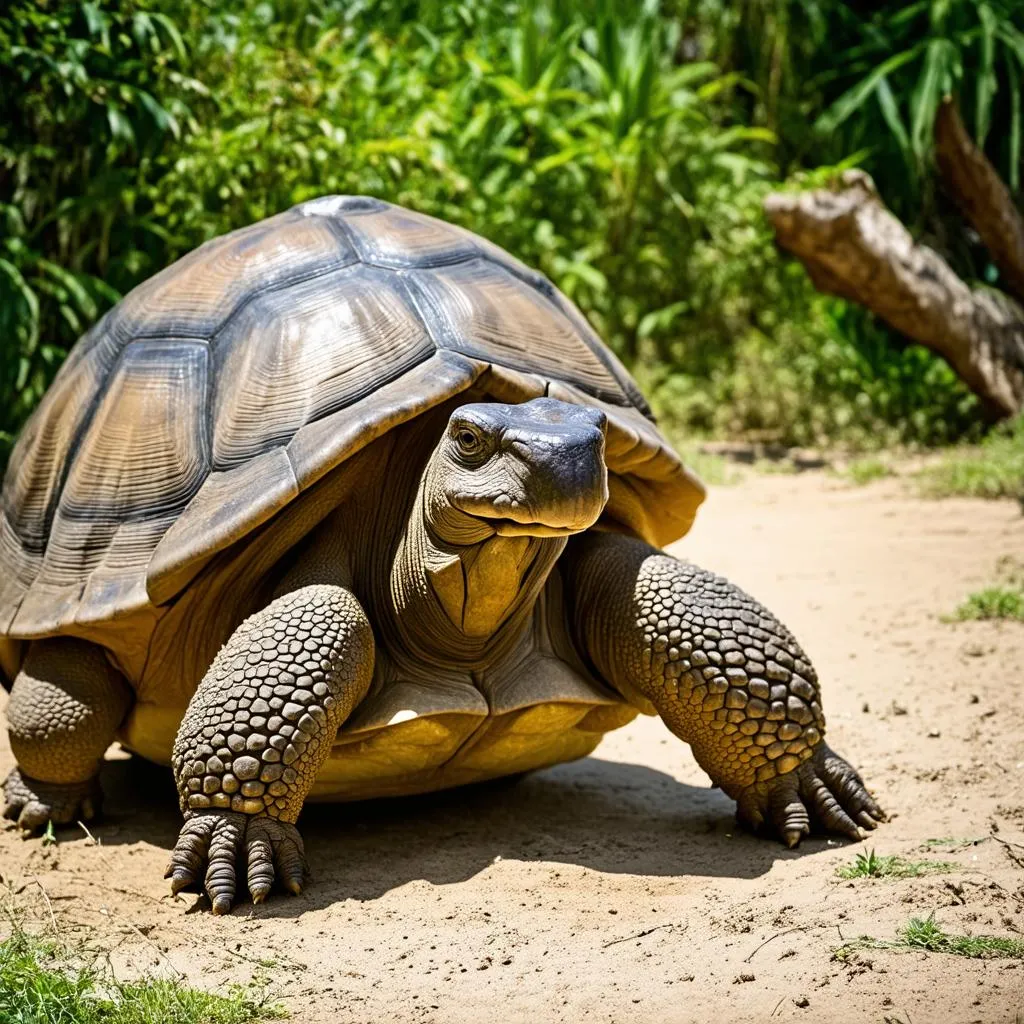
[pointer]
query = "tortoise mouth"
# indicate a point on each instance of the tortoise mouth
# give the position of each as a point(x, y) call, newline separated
point(523, 522)
point(514, 528)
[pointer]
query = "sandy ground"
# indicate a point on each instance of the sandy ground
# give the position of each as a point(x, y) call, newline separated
point(618, 888)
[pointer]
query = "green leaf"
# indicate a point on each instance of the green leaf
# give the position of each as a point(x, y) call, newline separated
point(83, 300)
point(987, 83)
point(891, 113)
point(120, 126)
point(1014, 146)
point(928, 94)
point(172, 33)
point(28, 296)
point(853, 99)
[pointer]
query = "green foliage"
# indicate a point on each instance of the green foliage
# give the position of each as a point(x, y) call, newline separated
point(833, 79)
point(910, 56)
point(592, 140)
point(91, 94)
point(871, 865)
point(40, 983)
point(809, 370)
point(993, 603)
point(992, 469)
point(866, 471)
point(924, 933)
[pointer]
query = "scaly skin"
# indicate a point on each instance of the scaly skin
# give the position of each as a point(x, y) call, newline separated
point(65, 707)
point(724, 675)
point(256, 733)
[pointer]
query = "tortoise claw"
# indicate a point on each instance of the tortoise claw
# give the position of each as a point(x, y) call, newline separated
point(218, 841)
point(824, 791)
point(33, 804)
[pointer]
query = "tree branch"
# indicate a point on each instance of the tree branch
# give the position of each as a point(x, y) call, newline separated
point(982, 196)
point(853, 247)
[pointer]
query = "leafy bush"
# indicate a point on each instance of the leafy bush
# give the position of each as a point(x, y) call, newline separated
point(91, 96)
point(587, 138)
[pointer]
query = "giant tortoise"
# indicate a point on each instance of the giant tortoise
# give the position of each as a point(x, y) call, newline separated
point(351, 503)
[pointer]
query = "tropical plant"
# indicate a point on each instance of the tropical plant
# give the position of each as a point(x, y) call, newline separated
point(91, 94)
point(833, 79)
point(909, 57)
point(590, 139)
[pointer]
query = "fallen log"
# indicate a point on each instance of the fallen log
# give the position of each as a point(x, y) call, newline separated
point(854, 247)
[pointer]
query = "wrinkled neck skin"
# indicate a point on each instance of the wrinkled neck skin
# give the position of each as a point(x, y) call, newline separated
point(461, 594)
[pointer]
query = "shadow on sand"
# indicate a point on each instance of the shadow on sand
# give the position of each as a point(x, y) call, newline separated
point(605, 815)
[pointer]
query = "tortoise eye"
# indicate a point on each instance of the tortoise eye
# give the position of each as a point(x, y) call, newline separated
point(470, 442)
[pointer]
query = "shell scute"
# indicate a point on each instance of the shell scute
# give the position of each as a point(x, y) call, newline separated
point(480, 309)
point(141, 459)
point(195, 296)
point(399, 239)
point(288, 359)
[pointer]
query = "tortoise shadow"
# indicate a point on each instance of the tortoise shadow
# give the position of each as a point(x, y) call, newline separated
point(605, 815)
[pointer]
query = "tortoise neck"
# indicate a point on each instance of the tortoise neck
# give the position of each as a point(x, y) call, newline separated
point(459, 598)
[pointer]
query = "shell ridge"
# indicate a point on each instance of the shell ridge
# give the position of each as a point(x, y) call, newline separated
point(573, 314)
point(339, 224)
point(424, 307)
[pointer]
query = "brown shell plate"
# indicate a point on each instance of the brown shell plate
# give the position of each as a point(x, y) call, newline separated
point(227, 384)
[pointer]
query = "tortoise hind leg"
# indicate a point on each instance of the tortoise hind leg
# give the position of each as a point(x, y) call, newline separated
point(65, 707)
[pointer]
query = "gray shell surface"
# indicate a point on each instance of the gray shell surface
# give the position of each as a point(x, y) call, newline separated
point(223, 387)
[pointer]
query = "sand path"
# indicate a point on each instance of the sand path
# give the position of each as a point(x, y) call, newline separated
point(618, 888)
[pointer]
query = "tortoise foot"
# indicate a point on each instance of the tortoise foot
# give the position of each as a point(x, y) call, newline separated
point(33, 804)
point(824, 794)
point(212, 844)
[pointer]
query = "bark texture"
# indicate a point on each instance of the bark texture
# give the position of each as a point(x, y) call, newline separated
point(983, 198)
point(854, 247)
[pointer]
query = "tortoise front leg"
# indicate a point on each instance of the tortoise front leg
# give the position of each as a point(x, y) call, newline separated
point(724, 675)
point(256, 733)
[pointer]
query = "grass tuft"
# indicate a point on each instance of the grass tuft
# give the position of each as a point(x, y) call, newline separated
point(992, 469)
point(954, 843)
point(1003, 600)
point(993, 603)
point(866, 471)
point(924, 933)
point(871, 865)
point(41, 983)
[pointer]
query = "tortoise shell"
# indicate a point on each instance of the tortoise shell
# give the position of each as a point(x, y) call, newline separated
point(225, 386)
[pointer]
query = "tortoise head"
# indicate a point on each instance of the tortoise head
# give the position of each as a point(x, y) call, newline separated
point(536, 469)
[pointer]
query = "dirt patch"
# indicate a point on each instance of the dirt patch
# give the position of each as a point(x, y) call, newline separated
point(618, 888)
